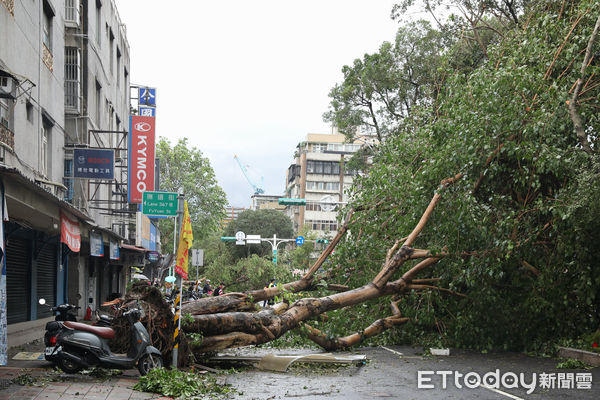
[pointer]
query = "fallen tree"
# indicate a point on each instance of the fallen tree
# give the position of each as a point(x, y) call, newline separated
point(233, 320)
point(516, 230)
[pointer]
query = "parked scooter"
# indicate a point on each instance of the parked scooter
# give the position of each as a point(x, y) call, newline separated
point(73, 346)
point(63, 312)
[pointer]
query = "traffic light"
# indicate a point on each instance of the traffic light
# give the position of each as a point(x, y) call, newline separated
point(322, 241)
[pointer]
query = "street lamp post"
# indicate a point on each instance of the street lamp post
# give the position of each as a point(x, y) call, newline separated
point(274, 243)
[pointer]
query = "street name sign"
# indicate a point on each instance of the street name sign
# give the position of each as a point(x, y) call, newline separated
point(159, 204)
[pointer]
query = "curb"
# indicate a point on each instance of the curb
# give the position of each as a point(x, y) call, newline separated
point(586, 356)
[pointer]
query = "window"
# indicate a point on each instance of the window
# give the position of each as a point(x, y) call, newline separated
point(72, 80)
point(327, 186)
point(322, 225)
point(118, 67)
point(4, 117)
point(98, 22)
point(47, 25)
point(68, 180)
point(29, 111)
point(111, 46)
point(44, 156)
point(323, 167)
point(98, 103)
point(72, 11)
point(319, 147)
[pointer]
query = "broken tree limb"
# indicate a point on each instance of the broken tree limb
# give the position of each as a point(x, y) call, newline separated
point(431, 287)
point(572, 105)
point(374, 329)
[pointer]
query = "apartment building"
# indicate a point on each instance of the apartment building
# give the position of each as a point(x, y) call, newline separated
point(64, 86)
point(265, 201)
point(320, 176)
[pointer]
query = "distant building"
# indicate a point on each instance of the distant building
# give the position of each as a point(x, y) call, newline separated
point(266, 201)
point(231, 213)
point(319, 173)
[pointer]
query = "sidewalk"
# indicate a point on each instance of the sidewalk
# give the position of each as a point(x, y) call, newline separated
point(69, 387)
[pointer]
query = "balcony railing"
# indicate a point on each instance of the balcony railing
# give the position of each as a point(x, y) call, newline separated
point(7, 137)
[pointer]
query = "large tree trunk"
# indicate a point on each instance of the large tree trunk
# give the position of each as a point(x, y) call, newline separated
point(235, 320)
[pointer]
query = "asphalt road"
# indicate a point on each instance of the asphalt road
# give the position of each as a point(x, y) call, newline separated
point(392, 372)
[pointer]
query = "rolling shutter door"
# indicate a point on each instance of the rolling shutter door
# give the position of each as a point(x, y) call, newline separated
point(17, 280)
point(46, 279)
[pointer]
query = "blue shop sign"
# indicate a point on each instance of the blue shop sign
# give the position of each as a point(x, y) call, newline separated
point(94, 163)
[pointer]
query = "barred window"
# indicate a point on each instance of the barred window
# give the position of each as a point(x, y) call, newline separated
point(68, 180)
point(72, 78)
point(322, 225)
point(72, 11)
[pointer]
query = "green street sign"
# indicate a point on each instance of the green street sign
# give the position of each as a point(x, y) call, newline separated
point(227, 238)
point(159, 204)
point(292, 202)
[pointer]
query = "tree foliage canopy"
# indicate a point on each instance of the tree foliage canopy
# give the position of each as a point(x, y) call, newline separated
point(265, 223)
point(518, 232)
point(183, 168)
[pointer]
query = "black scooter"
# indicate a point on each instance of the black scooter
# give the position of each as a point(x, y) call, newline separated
point(63, 312)
point(73, 346)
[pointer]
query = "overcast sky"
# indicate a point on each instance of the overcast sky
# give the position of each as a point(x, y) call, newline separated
point(248, 77)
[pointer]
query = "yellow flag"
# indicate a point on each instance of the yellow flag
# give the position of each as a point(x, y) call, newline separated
point(186, 237)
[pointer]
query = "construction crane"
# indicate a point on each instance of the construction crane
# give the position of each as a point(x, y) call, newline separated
point(257, 189)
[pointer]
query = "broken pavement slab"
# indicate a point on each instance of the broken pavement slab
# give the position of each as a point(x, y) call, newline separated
point(280, 363)
point(28, 356)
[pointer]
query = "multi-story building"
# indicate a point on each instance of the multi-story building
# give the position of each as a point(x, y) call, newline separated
point(64, 85)
point(320, 176)
point(265, 201)
point(231, 213)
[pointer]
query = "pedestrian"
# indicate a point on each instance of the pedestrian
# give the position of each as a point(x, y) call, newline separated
point(220, 290)
point(207, 290)
point(272, 283)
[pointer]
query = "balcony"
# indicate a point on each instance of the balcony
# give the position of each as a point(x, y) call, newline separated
point(7, 137)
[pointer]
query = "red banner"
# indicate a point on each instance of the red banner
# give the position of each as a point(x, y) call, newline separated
point(141, 157)
point(70, 233)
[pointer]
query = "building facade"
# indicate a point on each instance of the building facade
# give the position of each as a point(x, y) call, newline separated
point(265, 201)
point(64, 86)
point(320, 176)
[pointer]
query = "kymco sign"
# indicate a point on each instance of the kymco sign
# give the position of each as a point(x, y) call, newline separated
point(141, 157)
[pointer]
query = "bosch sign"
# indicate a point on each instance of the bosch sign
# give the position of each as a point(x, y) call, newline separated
point(93, 163)
point(141, 157)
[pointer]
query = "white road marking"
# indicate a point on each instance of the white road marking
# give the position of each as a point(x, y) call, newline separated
point(393, 351)
point(501, 392)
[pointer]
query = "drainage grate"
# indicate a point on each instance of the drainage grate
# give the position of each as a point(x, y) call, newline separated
point(4, 383)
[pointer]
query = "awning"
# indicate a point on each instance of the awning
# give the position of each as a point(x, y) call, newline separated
point(134, 248)
point(18, 176)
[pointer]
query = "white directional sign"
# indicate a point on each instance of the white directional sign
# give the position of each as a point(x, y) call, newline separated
point(252, 239)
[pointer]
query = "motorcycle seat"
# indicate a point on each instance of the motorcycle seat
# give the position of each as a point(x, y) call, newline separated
point(105, 333)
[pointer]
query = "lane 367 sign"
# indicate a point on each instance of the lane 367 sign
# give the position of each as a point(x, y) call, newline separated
point(141, 157)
